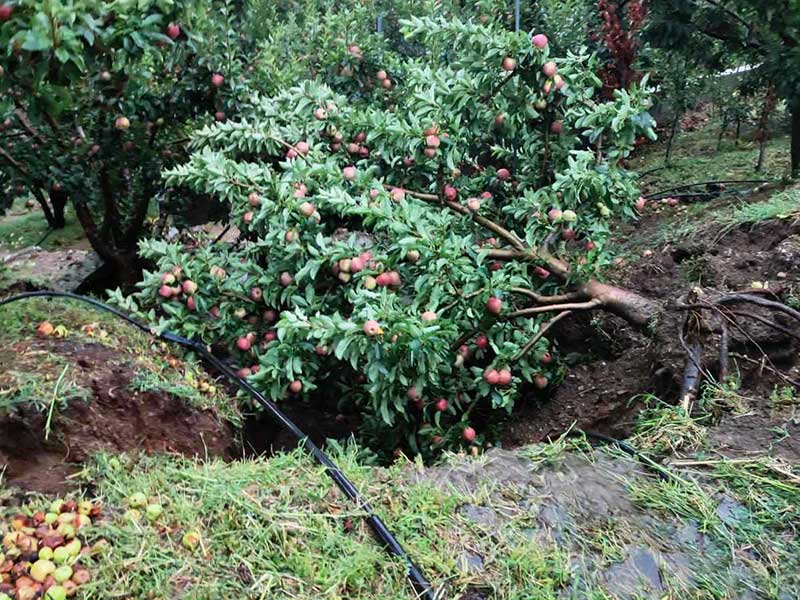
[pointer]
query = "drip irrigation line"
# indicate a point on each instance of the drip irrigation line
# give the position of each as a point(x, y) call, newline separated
point(415, 576)
point(691, 185)
point(663, 473)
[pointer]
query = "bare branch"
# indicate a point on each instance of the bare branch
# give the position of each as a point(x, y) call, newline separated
point(558, 299)
point(752, 299)
point(539, 334)
point(536, 310)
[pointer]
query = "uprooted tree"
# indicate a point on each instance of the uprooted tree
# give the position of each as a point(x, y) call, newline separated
point(406, 253)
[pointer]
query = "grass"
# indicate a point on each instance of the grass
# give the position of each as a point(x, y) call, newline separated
point(279, 528)
point(22, 227)
point(696, 159)
point(34, 365)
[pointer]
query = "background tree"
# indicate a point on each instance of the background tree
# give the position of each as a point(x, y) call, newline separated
point(95, 97)
point(765, 35)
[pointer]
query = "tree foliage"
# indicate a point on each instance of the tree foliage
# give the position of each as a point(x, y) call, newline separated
point(403, 246)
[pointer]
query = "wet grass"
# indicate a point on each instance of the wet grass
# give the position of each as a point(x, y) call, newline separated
point(22, 227)
point(279, 527)
point(31, 364)
point(695, 158)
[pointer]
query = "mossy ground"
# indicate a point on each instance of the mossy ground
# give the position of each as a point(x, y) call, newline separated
point(695, 158)
point(22, 227)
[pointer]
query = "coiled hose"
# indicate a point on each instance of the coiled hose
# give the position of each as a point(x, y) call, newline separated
point(421, 586)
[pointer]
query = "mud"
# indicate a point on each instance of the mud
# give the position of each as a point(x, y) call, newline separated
point(113, 419)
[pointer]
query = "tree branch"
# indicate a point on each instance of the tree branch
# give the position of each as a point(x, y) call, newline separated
point(542, 299)
point(536, 310)
point(539, 334)
point(26, 124)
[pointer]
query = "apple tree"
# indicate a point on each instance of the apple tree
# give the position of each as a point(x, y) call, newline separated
point(734, 33)
point(405, 255)
point(94, 99)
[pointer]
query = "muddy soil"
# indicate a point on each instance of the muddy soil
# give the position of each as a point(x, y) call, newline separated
point(115, 418)
point(582, 504)
point(612, 363)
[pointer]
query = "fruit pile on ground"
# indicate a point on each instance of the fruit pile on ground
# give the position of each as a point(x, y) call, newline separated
point(46, 554)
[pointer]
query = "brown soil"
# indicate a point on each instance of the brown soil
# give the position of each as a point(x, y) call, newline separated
point(613, 363)
point(113, 419)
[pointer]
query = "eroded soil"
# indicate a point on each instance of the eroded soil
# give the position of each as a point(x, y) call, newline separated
point(112, 416)
point(615, 369)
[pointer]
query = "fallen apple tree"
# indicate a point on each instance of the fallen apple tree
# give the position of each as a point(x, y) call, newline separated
point(404, 253)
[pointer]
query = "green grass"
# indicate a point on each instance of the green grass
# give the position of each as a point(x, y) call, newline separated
point(33, 367)
point(695, 158)
point(22, 227)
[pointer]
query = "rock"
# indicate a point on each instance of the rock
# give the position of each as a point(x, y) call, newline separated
point(730, 511)
point(634, 577)
point(787, 253)
point(480, 515)
point(469, 563)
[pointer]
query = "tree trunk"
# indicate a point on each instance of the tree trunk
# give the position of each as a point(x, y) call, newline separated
point(762, 154)
point(48, 213)
point(796, 138)
point(59, 202)
point(671, 140)
point(763, 126)
point(634, 308)
point(723, 129)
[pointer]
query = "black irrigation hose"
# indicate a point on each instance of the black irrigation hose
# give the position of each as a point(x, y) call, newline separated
point(421, 586)
point(679, 188)
point(663, 473)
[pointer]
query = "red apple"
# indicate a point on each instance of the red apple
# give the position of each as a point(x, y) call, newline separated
point(349, 173)
point(542, 272)
point(243, 344)
point(556, 127)
point(372, 328)
point(494, 305)
point(540, 381)
point(253, 199)
point(503, 174)
point(381, 75)
point(296, 386)
point(307, 209)
point(509, 64)
point(474, 204)
point(429, 316)
point(450, 193)
point(122, 123)
point(504, 377)
point(217, 80)
point(539, 41)
point(173, 31)
point(441, 405)
point(546, 359)
point(5, 12)
point(468, 434)
point(482, 341)
point(286, 279)
point(256, 294)
point(491, 376)
point(432, 141)
point(549, 69)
